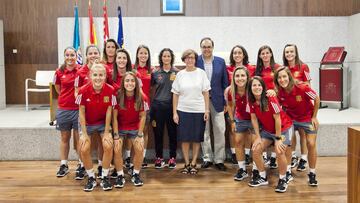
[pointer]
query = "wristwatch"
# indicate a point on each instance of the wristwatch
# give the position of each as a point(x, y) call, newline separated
point(141, 134)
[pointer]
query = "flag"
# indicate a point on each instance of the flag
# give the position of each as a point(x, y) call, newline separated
point(120, 39)
point(76, 40)
point(92, 38)
point(106, 24)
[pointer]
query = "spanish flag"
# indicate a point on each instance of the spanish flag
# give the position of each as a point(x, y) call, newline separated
point(92, 38)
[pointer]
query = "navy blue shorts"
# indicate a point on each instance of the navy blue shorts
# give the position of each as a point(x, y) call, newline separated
point(92, 129)
point(243, 126)
point(132, 134)
point(191, 127)
point(67, 120)
point(307, 126)
point(285, 136)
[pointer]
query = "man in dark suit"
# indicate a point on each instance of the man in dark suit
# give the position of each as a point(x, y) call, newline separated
point(215, 69)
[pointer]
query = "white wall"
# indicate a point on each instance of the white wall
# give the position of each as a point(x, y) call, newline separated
point(2, 68)
point(313, 35)
point(354, 59)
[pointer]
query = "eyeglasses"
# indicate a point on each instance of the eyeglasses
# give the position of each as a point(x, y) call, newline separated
point(206, 47)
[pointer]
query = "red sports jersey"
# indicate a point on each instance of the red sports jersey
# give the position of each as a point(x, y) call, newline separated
point(266, 118)
point(66, 80)
point(129, 118)
point(96, 104)
point(241, 107)
point(300, 73)
point(117, 84)
point(83, 76)
point(230, 71)
point(145, 77)
point(268, 76)
point(297, 104)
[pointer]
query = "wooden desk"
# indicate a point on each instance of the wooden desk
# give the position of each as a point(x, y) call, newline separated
point(53, 103)
point(353, 164)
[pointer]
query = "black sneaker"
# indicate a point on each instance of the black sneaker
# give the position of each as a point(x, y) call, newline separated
point(90, 185)
point(106, 184)
point(255, 174)
point(247, 160)
point(136, 180)
point(282, 186)
point(233, 159)
point(127, 162)
point(241, 175)
point(257, 180)
point(312, 179)
point(159, 163)
point(144, 164)
point(266, 160)
point(289, 177)
point(172, 163)
point(119, 182)
point(78, 168)
point(294, 161)
point(80, 175)
point(302, 165)
point(273, 164)
point(99, 173)
point(131, 170)
point(63, 170)
point(114, 174)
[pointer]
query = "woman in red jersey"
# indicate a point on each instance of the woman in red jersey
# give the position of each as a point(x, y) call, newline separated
point(67, 113)
point(95, 100)
point(239, 117)
point(128, 122)
point(108, 55)
point(276, 130)
point(238, 57)
point(297, 101)
point(300, 72)
point(143, 67)
point(121, 66)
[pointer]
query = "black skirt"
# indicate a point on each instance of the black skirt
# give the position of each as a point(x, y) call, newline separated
point(191, 127)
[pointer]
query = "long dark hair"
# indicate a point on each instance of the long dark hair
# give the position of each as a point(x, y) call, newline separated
point(105, 56)
point(234, 87)
point(148, 62)
point(292, 82)
point(171, 54)
point(263, 97)
point(260, 63)
point(297, 58)
point(137, 93)
point(128, 63)
point(63, 66)
point(246, 56)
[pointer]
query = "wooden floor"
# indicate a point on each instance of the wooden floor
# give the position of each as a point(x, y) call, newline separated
point(35, 181)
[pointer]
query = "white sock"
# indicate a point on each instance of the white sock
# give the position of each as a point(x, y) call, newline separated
point(232, 150)
point(144, 153)
point(241, 164)
point(136, 171)
point(247, 151)
point(263, 174)
point(312, 170)
point(289, 168)
point(81, 163)
point(273, 154)
point(91, 173)
point(105, 172)
point(304, 156)
point(282, 177)
point(63, 162)
point(264, 154)
point(293, 153)
point(254, 166)
point(99, 162)
point(120, 173)
point(127, 153)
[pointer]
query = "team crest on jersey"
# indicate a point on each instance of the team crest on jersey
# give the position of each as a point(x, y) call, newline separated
point(106, 99)
point(296, 74)
point(159, 77)
point(172, 76)
point(298, 98)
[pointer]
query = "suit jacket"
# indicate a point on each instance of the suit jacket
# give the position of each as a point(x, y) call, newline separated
point(218, 81)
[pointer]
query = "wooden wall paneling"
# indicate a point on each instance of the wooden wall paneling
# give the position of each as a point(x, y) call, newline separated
point(241, 7)
point(142, 8)
point(285, 8)
point(356, 7)
point(353, 163)
point(202, 7)
point(329, 7)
